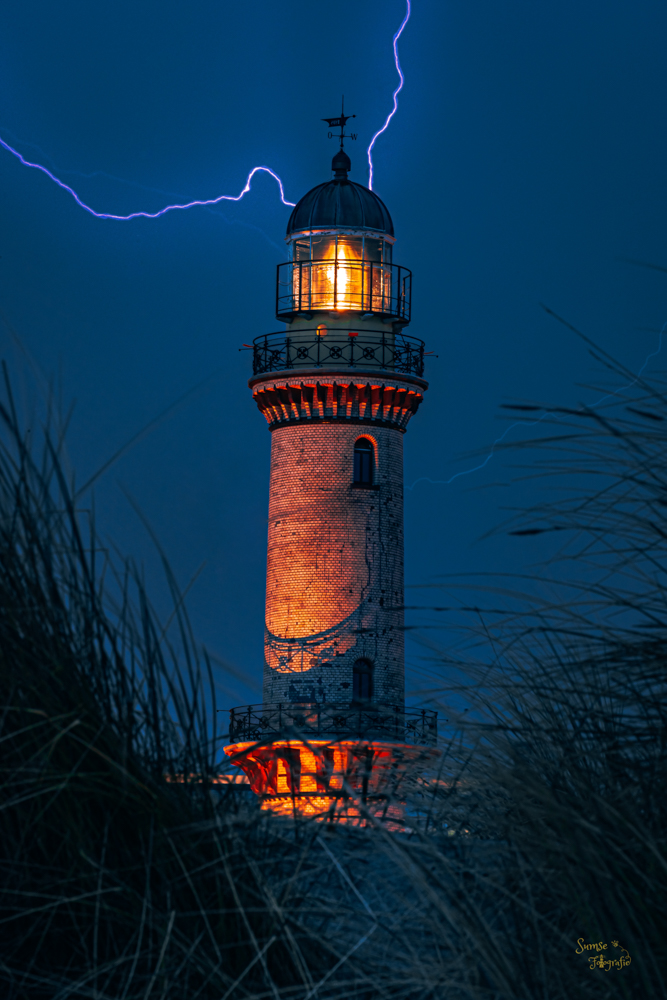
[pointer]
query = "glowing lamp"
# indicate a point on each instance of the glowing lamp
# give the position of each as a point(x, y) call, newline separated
point(341, 273)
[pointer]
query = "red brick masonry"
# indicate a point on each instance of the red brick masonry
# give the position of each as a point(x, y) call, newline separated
point(334, 590)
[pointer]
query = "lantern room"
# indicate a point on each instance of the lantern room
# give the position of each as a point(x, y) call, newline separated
point(340, 241)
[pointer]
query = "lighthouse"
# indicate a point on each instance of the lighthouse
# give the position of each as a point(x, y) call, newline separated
point(337, 388)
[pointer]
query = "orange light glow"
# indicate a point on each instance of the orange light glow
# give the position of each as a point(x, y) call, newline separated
point(336, 281)
point(340, 279)
point(309, 764)
point(282, 786)
point(349, 782)
point(338, 769)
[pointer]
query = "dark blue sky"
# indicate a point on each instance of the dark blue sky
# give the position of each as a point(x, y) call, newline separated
point(526, 158)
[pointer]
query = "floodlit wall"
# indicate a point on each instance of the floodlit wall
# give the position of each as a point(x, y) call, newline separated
point(334, 591)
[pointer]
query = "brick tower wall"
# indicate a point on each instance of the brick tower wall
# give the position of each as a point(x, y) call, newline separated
point(335, 564)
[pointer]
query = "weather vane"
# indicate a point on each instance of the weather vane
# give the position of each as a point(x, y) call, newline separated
point(340, 123)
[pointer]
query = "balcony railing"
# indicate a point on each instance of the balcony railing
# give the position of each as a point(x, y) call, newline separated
point(253, 723)
point(307, 286)
point(395, 352)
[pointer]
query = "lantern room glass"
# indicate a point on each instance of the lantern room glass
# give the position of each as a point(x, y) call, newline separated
point(340, 273)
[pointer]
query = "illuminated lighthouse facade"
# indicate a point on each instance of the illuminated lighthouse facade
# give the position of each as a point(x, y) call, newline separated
point(337, 388)
point(334, 596)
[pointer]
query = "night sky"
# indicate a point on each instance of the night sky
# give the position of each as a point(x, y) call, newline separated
point(525, 163)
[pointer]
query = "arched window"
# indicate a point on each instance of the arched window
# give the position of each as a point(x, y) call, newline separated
point(363, 462)
point(362, 681)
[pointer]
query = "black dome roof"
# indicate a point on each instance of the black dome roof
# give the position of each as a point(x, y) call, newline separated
point(340, 204)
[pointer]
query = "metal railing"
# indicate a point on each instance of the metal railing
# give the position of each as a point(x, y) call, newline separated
point(306, 286)
point(253, 723)
point(396, 352)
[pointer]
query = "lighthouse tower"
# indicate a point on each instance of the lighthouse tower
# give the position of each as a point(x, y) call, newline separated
point(337, 388)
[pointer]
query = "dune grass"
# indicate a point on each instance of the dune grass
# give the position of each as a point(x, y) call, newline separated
point(559, 766)
point(118, 881)
point(545, 823)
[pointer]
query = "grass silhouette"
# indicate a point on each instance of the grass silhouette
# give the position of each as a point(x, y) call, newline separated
point(544, 825)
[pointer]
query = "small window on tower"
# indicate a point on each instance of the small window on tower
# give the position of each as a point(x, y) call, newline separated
point(362, 681)
point(363, 462)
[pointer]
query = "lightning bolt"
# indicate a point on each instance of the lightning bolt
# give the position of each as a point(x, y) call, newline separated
point(208, 202)
point(534, 423)
point(149, 215)
point(146, 187)
point(396, 93)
